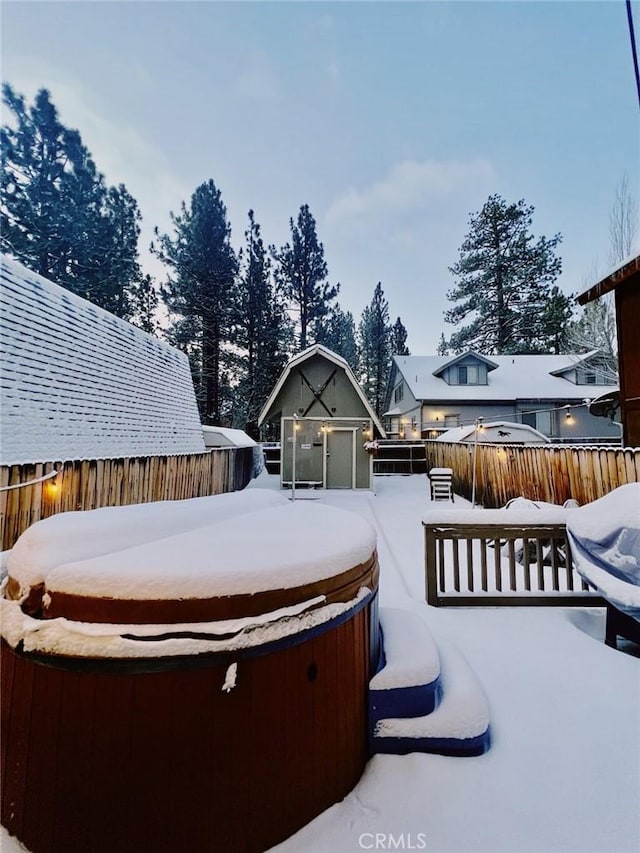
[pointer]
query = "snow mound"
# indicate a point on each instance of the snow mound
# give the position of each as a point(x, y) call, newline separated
point(79, 536)
point(462, 714)
point(411, 654)
point(605, 540)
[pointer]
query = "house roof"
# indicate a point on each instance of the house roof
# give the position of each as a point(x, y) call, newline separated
point(325, 352)
point(515, 377)
point(628, 269)
point(79, 383)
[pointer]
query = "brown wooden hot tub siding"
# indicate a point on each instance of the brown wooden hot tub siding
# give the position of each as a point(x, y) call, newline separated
point(162, 762)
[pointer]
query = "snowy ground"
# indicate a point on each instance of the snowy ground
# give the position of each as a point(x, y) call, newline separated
point(563, 771)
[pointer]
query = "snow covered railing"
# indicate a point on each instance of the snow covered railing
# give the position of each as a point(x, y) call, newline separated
point(496, 557)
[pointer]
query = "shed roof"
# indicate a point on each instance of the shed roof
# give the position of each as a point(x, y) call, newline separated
point(319, 349)
point(79, 383)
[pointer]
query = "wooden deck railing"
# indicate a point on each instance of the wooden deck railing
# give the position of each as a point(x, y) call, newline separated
point(88, 484)
point(495, 565)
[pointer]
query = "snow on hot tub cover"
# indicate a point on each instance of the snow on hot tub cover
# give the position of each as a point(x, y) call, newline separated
point(247, 544)
point(605, 541)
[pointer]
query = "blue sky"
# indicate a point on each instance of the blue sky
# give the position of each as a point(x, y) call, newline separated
point(393, 121)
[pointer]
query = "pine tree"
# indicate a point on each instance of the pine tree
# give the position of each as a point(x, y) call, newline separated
point(338, 332)
point(399, 339)
point(201, 292)
point(263, 331)
point(442, 346)
point(374, 333)
point(503, 282)
point(301, 273)
point(57, 215)
point(556, 317)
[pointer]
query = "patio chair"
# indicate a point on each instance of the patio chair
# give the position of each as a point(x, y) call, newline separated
point(440, 482)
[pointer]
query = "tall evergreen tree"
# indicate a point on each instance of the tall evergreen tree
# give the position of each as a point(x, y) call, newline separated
point(556, 318)
point(399, 339)
point(503, 282)
point(201, 292)
point(301, 273)
point(374, 333)
point(57, 215)
point(263, 332)
point(338, 332)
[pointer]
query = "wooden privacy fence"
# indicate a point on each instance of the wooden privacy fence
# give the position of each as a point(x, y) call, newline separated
point(539, 472)
point(92, 483)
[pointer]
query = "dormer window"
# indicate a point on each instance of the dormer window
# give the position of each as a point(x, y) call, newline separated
point(467, 374)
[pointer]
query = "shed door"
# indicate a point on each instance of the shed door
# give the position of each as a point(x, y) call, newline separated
point(340, 459)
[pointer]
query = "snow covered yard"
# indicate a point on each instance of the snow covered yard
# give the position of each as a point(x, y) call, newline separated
point(563, 771)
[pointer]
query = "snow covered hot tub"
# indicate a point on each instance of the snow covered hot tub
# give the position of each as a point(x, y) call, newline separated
point(185, 675)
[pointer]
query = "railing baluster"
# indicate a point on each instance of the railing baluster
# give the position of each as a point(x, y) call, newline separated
point(456, 565)
point(470, 586)
point(540, 564)
point(554, 564)
point(568, 562)
point(498, 567)
point(483, 565)
point(512, 565)
point(441, 563)
point(527, 564)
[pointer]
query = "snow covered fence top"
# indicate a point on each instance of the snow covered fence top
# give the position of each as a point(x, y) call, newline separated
point(227, 556)
point(80, 383)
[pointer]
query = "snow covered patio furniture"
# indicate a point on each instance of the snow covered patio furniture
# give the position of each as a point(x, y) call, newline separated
point(204, 691)
point(605, 539)
point(440, 484)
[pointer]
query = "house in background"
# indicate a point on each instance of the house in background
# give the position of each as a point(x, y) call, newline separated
point(79, 383)
point(325, 422)
point(427, 395)
point(624, 282)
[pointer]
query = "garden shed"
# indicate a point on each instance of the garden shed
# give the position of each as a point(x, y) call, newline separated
point(327, 425)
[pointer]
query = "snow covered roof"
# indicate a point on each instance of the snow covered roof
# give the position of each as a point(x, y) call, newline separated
point(516, 377)
point(319, 349)
point(499, 432)
point(216, 436)
point(79, 383)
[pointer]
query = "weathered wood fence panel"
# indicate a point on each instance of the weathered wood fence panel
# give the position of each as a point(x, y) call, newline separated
point(552, 473)
point(88, 484)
